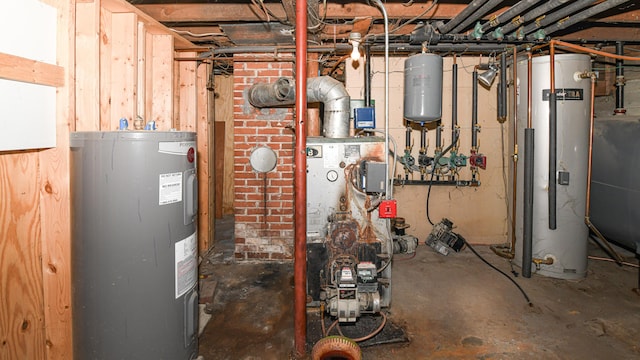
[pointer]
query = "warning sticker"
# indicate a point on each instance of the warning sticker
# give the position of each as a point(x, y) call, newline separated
point(186, 265)
point(170, 188)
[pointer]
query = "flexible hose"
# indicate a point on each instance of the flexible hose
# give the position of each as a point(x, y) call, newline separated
point(500, 271)
point(372, 334)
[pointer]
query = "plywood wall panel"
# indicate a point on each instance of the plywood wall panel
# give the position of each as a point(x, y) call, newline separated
point(88, 66)
point(105, 70)
point(187, 93)
point(55, 201)
point(206, 179)
point(124, 66)
point(21, 300)
point(141, 81)
point(224, 113)
point(162, 81)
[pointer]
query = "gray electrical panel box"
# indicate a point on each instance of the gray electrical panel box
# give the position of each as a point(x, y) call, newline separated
point(373, 176)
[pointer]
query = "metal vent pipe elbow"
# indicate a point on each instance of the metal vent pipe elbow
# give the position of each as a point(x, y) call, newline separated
point(324, 89)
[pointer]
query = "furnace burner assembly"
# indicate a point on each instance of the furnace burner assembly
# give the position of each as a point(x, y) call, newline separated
point(349, 245)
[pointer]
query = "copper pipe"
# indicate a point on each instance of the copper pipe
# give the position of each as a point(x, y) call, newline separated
point(591, 51)
point(552, 67)
point(587, 217)
point(553, 43)
point(300, 185)
point(515, 152)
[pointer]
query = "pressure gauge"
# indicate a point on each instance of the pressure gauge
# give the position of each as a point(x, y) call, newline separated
point(332, 175)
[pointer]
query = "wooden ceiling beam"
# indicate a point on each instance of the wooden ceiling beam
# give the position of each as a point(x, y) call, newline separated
point(225, 12)
point(248, 12)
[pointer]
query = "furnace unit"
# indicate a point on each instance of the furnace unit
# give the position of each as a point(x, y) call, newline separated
point(349, 247)
point(134, 245)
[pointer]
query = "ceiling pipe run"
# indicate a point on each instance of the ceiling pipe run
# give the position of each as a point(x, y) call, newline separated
point(498, 34)
point(572, 20)
point(324, 89)
point(300, 186)
point(466, 12)
point(516, 9)
point(476, 15)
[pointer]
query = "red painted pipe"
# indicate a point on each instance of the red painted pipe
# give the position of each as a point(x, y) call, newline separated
point(300, 185)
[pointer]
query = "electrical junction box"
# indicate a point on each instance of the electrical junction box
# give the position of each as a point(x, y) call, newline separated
point(364, 118)
point(387, 209)
point(373, 176)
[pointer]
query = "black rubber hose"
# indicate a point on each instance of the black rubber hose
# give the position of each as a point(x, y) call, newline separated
point(527, 233)
point(407, 137)
point(526, 297)
point(474, 111)
point(553, 150)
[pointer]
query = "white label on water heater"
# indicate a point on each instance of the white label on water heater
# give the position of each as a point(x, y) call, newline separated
point(170, 188)
point(186, 264)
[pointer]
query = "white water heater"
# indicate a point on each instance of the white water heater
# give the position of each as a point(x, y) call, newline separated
point(565, 246)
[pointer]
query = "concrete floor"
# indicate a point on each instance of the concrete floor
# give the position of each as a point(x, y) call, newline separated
point(452, 307)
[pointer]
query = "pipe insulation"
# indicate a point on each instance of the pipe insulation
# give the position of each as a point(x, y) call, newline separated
point(476, 15)
point(592, 11)
point(619, 80)
point(465, 13)
point(523, 19)
point(527, 235)
point(508, 14)
point(474, 110)
point(552, 17)
point(324, 89)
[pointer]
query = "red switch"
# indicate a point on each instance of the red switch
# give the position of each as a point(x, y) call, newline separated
point(387, 209)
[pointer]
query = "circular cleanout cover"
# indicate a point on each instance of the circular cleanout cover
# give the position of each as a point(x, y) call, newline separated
point(263, 159)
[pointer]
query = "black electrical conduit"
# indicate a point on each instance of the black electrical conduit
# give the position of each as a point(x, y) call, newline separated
point(466, 12)
point(572, 20)
point(508, 14)
point(523, 19)
point(476, 15)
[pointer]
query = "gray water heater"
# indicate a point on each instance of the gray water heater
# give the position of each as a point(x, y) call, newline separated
point(134, 245)
point(423, 88)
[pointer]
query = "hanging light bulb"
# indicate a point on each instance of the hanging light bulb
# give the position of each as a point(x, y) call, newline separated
point(354, 39)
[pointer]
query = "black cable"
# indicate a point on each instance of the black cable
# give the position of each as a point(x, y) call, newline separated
point(498, 270)
point(433, 170)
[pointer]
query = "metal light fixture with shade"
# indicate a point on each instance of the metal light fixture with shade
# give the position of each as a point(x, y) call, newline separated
point(487, 77)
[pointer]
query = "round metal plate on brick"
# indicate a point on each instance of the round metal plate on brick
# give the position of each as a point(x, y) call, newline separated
point(263, 159)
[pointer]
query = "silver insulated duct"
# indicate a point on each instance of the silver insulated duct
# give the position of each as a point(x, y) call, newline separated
point(324, 89)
